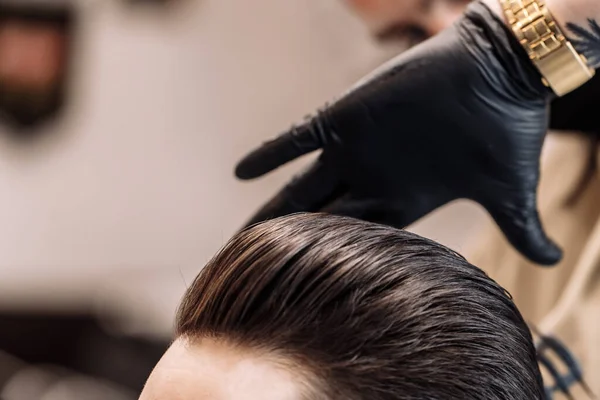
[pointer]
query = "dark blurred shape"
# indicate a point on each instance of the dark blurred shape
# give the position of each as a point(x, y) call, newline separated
point(161, 4)
point(578, 111)
point(82, 354)
point(561, 365)
point(150, 1)
point(35, 41)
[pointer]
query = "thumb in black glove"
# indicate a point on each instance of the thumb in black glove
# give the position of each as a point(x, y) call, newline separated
point(463, 115)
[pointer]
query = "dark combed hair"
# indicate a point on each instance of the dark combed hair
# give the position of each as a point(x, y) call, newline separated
point(370, 312)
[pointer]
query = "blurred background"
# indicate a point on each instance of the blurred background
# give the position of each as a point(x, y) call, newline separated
point(121, 122)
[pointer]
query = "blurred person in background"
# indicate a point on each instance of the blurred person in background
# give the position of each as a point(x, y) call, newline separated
point(569, 190)
point(408, 21)
point(316, 306)
point(399, 105)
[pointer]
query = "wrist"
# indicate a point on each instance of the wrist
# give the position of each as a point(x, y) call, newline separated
point(487, 32)
point(562, 65)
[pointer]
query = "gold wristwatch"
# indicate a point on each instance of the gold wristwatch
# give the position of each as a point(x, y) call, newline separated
point(563, 69)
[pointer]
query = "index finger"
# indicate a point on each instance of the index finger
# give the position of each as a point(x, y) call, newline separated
point(290, 145)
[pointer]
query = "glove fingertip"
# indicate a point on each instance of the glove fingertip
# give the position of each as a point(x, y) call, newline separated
point(535, 244)
point(246, 170)
point(277, 152)
point(549, 255)
point(259, 162)
point(522, 227)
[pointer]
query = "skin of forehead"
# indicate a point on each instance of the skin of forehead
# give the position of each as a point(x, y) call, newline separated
point(211, 370)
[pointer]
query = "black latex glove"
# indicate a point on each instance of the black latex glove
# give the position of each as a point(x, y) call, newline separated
point(463, 115)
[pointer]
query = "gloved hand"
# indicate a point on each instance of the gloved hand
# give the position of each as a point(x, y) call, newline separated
point(463, 115)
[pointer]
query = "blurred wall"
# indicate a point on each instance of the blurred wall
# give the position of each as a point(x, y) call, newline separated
point(121, 202)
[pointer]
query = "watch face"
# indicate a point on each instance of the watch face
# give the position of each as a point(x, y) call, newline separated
point(34, 53)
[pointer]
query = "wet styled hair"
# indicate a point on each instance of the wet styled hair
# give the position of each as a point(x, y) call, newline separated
point(364, 312)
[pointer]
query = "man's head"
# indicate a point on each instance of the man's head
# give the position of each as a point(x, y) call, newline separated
point(412, 20)
point(325, 307)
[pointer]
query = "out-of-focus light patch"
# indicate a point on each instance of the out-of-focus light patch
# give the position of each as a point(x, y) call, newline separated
point(28, 384)
point(9, 365)
point(23, 382)
point(85, 388)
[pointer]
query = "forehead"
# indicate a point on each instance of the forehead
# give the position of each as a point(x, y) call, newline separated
point(208, 370)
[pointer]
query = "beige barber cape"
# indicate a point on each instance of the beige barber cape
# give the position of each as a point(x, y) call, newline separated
point(565, 299)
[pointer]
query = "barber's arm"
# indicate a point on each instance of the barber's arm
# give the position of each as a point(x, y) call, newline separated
point(580, 20)
point(463, 115)
point(578, 111)
point(540, 26)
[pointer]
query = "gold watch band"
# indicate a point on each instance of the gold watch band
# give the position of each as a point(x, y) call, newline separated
point(562, 67)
